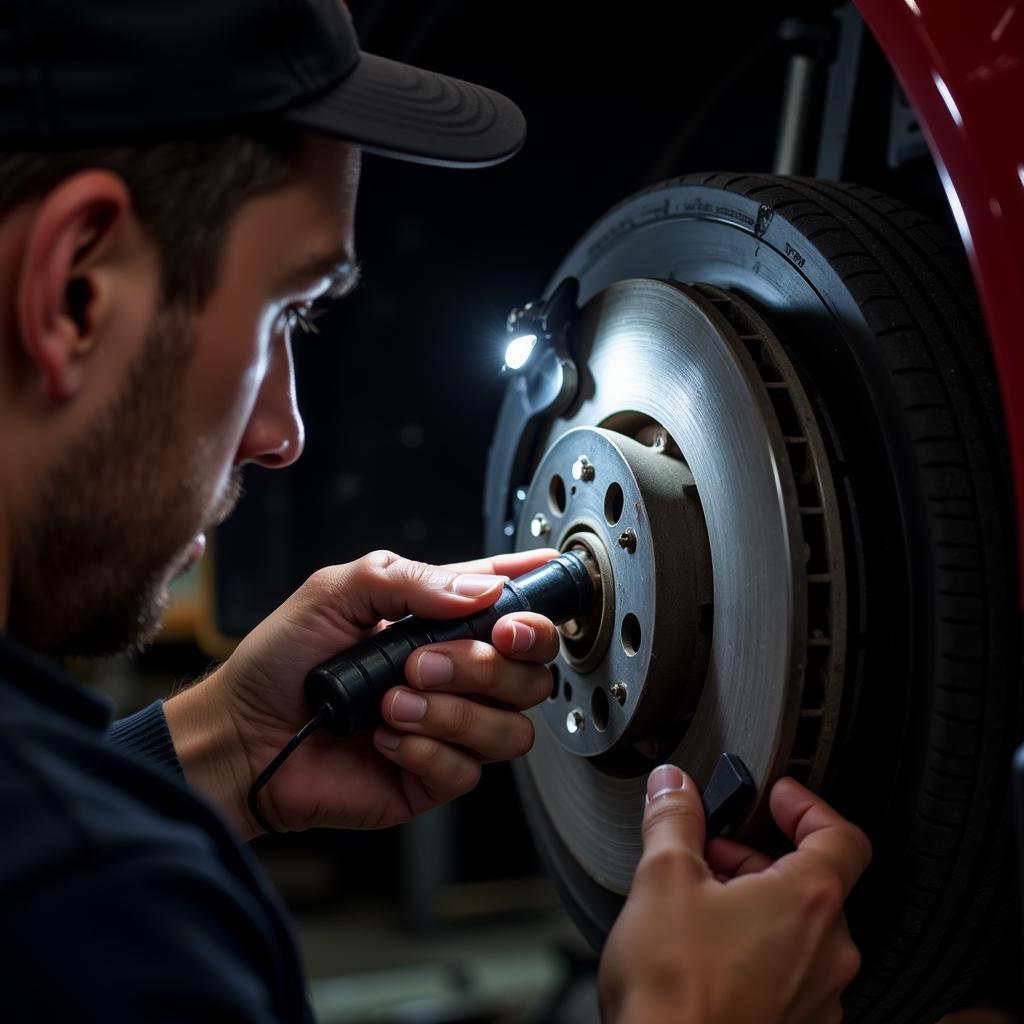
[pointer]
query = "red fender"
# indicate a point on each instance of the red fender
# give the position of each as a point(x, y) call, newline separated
point(962, 69)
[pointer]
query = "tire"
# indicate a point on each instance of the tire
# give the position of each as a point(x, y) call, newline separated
point(876, 308)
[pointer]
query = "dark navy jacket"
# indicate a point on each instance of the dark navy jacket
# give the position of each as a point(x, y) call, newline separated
point(123, 896)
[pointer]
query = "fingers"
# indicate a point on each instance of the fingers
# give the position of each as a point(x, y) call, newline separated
point(494, 734)
point(513, 564)
point(814, 827)
point(673, 830)
point(339, 604)
point(441, 772)
point(475, 667)
point(526, 635)
point(383, 585)
point(731, 859)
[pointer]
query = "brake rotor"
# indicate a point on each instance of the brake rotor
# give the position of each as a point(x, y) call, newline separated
point(692, 469)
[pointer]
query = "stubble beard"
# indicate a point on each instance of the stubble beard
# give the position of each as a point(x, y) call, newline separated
point(118, 515)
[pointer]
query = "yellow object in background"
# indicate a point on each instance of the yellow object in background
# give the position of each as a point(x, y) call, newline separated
point(190, 616)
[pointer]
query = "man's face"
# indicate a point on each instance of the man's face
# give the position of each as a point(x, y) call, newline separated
point(123, 512)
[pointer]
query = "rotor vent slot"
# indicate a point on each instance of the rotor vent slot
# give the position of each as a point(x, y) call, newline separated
point(823, 675)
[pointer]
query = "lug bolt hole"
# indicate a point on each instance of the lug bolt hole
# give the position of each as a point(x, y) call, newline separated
point(556, 681)
point(556, 495)
point(613, 501)
point(631, 636)
point(599, 708)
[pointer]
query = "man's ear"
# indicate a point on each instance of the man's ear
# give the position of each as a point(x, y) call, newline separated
point(62, 293)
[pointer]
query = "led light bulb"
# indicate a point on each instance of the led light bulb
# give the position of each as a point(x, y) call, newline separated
point(519, 350)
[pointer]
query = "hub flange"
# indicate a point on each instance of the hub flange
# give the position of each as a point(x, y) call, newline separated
point(631, 671)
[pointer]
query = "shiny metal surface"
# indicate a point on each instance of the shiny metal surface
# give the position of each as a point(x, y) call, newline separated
point(645, 635)
point(660, 350)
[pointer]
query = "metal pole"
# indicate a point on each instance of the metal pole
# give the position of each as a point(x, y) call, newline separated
point(796, 105)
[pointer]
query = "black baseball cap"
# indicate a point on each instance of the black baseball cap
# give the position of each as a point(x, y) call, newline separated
point(86, 71)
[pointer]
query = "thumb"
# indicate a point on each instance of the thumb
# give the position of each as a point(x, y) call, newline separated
point(674, 818)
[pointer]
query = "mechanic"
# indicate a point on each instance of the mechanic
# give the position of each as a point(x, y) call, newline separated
point(177, 188)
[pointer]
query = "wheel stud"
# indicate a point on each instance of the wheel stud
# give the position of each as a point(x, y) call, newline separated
point(539, 525)
point(575, 721)
point(583, 469)
point(627, 541)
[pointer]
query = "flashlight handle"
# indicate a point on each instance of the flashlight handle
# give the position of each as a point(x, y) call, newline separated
point(350, 685)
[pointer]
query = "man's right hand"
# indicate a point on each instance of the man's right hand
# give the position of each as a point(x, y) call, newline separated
point(735, 937)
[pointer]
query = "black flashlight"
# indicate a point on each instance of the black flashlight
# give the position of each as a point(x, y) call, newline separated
point(348, 688)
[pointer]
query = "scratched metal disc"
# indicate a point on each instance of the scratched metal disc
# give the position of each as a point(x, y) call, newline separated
point(663, 351)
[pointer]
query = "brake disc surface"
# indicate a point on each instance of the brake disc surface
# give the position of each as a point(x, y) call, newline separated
point(663, 354)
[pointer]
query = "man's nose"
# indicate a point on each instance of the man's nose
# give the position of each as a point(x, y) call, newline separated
point(275, 435)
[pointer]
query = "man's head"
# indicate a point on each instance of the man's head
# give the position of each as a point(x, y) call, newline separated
point(146, 285)
point(146, 296)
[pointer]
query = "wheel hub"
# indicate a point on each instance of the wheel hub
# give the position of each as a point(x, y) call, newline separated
point(631, 672)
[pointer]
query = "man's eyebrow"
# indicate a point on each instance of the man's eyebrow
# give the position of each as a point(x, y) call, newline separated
point(340, 268)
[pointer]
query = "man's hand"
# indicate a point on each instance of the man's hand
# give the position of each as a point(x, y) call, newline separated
point(735, 938)
point(460, 709)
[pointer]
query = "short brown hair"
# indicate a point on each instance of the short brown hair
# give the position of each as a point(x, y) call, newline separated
point(185, 194)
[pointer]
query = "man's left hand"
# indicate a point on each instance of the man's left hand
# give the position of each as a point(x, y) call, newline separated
point(460, 708)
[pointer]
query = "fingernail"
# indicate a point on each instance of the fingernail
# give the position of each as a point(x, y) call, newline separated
point(408, 707)
point(387, 738)
point(433, 669)
point(523, 637)
point(666, 778)
point(471, 585)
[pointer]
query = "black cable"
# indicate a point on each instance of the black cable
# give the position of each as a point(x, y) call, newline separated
point(286, 751)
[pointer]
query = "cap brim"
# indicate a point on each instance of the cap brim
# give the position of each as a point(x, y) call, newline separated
point(405, 112)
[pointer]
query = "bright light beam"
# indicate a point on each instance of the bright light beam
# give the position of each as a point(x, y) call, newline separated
point(519, 350)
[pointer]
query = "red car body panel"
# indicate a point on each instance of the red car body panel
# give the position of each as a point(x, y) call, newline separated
point(962, 69)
